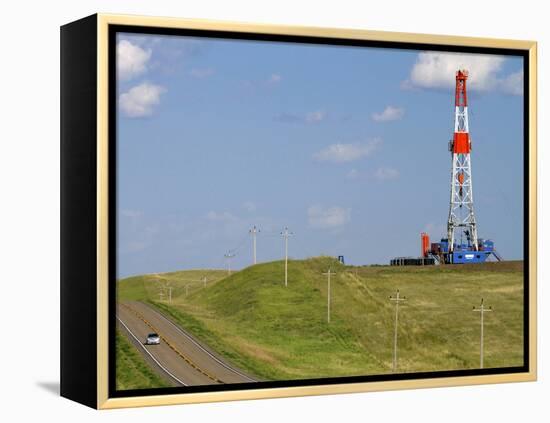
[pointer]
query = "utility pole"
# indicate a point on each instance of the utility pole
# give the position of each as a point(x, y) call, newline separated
point(228, 257)
point(186, 289)
point(170, 294)
point(285, 235)
point(396, 299)
point(254, 231)
point(329, 273)
point(481, 310)
point(204, 281)
point(161, 291)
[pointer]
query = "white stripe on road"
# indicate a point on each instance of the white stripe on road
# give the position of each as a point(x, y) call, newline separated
point(150, 355)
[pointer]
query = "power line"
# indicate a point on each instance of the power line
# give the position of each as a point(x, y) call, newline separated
point(481, 310)
point(241, 243)
point(231, 251)
point(396, 299)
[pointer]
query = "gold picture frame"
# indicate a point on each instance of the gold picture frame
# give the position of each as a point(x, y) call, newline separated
point(94, 31)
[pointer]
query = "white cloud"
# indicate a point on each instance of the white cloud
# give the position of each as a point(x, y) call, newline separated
point(140, 100)
point(131, 213)
point(386, 173)
point(332, 217)
point(390, 113)
point(249, 206)
point(435, 230)
point(407, 85)
point(201, 72)
point(275, 78)
point(437, 70)
point(131, 60)
point(352, 174)
point(513, 83)
point(341, 153)
point(314, 117)
point(220, 216)
point(309, 118)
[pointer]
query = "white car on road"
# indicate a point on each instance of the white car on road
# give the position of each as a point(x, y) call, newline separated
point(152, 339)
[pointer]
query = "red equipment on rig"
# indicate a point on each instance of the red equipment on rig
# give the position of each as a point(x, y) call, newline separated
point(425, 240)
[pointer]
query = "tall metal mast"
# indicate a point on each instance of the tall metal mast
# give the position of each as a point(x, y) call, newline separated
point(462, 222)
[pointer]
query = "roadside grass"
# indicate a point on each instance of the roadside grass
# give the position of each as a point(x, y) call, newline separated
point(282, 333)
point(132, 372)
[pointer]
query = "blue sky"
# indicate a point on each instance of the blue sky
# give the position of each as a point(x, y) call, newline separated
point(345, 146)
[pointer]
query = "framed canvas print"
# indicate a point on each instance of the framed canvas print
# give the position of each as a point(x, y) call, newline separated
point(255, 211)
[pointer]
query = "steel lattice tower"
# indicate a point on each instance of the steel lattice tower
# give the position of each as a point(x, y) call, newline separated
point(462, 222)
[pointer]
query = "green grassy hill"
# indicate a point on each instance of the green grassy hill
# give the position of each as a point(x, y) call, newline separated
point(282, 333)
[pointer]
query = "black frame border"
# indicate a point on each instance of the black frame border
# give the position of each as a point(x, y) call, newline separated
point(113, 30)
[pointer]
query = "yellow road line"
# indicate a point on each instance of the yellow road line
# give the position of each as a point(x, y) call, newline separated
point(171, 345)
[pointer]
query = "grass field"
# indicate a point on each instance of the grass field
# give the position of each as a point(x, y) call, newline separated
point(282, 333)
point(132, 372)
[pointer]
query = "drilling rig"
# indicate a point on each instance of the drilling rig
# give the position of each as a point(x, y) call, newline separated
point(462, 244)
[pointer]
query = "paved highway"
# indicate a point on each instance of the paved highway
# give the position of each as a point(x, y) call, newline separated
point(180, 358)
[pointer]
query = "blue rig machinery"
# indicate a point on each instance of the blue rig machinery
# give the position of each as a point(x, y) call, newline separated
point(462, 244)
